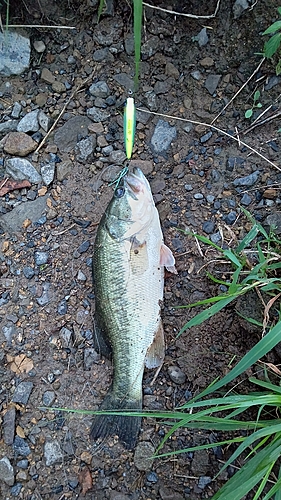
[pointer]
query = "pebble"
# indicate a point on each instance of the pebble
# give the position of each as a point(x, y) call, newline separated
point(84, 149)
point(212, 82)
point(143, 455)
point(64, 169)
point(207, 62)
point(230, 218)
point(8, 126)
point(41, 258)
point(272, 82)
point(48, 398)
point(28, 272)
point(21, 447)
point(48, 173)
point(208, 227)
point(20, 169)
point(234, 161)
point(14, 53)
point(22, 392)
point(16, 489)
point(198, 196)
point(216, 237)
point(210, 198)
point(274, 220)
point(99, 89)
point(196, 75)
point(162, 137)
point(206, 137)
point(29, 123)
point(19, 143)
point(58, 87)
point(117, 157)
point(248, 180)
point(246, 199)
point(97, 114)
point(65, 137)
point(6, 471)
point(202, 37)
point(65, 335)
point(90, 357)
point(39, 46)
point(16, 111)
point(8, 427)
point(84, 247)
point(81, 276)
point(102, 55)
point(188, 187)
point(239, 6)
point(47, 76)
point(44, 121)
point(52, 453)
point(176, 375)
point(62, 307)
point(152, 477)
point(204, 481)
point(23, 464)
point(200, 463)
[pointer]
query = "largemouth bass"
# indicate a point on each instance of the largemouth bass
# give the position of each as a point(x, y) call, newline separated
point(128, 269)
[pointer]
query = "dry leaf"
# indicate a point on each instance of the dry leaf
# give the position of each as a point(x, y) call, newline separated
point(20, 432)
point(85, 479)
point(8, 185)
point(21, 364)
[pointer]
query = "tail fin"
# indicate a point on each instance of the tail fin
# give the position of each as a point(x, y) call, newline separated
point(126, 428)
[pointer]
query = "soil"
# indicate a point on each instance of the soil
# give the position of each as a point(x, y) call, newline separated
point(47, 306)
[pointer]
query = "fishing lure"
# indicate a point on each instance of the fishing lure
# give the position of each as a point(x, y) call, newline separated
point(129, 126)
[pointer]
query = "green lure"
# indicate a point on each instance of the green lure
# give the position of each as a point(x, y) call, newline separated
point(129, 126)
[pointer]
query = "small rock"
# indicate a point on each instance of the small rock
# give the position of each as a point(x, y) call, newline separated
point(52, 453)
point(64, 169)
point(149, 48)
point(8, 428)
point(22, 392)
point(90, 357)
point(16, 111)
point(176, 375)
point(162, 137)
point(84, 149)
point(48, 173)
point(188, 187)
point(84, 246)
point(39, 46)
point(29, 123)
point(239, 7)
point(8, 126)
point(234, 161)
point(200, 463)
point(97, 114)
point(152, 477)
point(270, 194)
point(118, 157)
point(246, 199)
point(45, 298)
point(47, 76)
point(103, 55)
point(212, 82)
point(208, 227)
point(23, 464)
point(65, 335)
point(171, 70)
point(62, 307)
point(143, 456)
point(44, 121)
point(21, 447)
point(207, 62)
point(248, 180)
point(6, 471)
point(66, 137)
point(99, 89)
point(58, 87)
point(14, 53)
point(274, 221)
point(230, 218)
point(151, 100)
point(210, 198)
point(16, 489)
point(206, 137)
point(204, 481)
point(41, 258)
point(196, 75)
point(81, 276)
point(19, 143)
point(13, 221)
point(20, 169)
point(198, 196)
point(216, 238)
point(272, 82)
point(48, 398)
point(202, 37)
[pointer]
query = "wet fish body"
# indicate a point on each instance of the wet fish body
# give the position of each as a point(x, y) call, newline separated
point(128, 269)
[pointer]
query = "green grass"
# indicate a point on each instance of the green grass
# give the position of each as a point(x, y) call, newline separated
point(273, 45)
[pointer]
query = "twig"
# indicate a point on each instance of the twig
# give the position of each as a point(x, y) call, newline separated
point(198, 245)
point(262, 122)
point(195, 122)
point(40, 26)
point(63, 110)
point(240, 90)
point(4, 182)
point(193, 16)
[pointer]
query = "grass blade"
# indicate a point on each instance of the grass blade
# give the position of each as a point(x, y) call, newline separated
point(137, 38)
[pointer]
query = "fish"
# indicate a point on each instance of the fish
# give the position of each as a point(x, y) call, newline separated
point(128, 272)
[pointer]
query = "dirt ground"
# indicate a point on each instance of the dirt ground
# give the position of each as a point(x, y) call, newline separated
point(47, 305)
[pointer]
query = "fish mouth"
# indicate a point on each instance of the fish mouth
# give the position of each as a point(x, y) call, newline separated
point(136, 182)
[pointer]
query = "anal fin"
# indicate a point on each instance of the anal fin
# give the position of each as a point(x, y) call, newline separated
point(156, 351)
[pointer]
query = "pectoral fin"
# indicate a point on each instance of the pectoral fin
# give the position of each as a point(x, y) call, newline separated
point(167, 259)
point(156, 351)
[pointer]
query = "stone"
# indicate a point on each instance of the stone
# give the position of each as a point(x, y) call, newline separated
point(67, 136)
point(6, 472)
point(44, 121)
point(200, 463)
point(29, 123)
point(202, 37)
point(41, 258)
point(9, 420)
point(90, 357)
point(48, 173)
point(124, 80)
point(84, 149)
point(207, 62)
point(58, 87)
point(13, 220)
point(16, 111)
point(28, 272)
point(143, 457)
point(52, 453)
point(39, 46)
point(171, 70)
point(21, 447)
point(248, 180)
point(48, 398)
point(129, 44)
point(99, 89)
point(14, 53)
point(239, 7)
point(208, 227)
point(20, 169)
point(176, 375)
point(212, 82)
point(274, 220)
point(246, 200)
point(103, 55)
point(8, 126)
point(117, 157)
point(206, 137)
point(19, 144)
point(162, 137)
point(150, 47)
point(97, 114)
point(63, 169)
point(47, 76)
point(22, 392)
point(145, 165)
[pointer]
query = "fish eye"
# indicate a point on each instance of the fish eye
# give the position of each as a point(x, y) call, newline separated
point(119, 192)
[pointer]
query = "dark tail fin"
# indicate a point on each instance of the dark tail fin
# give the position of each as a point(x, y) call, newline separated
point(126, 428)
